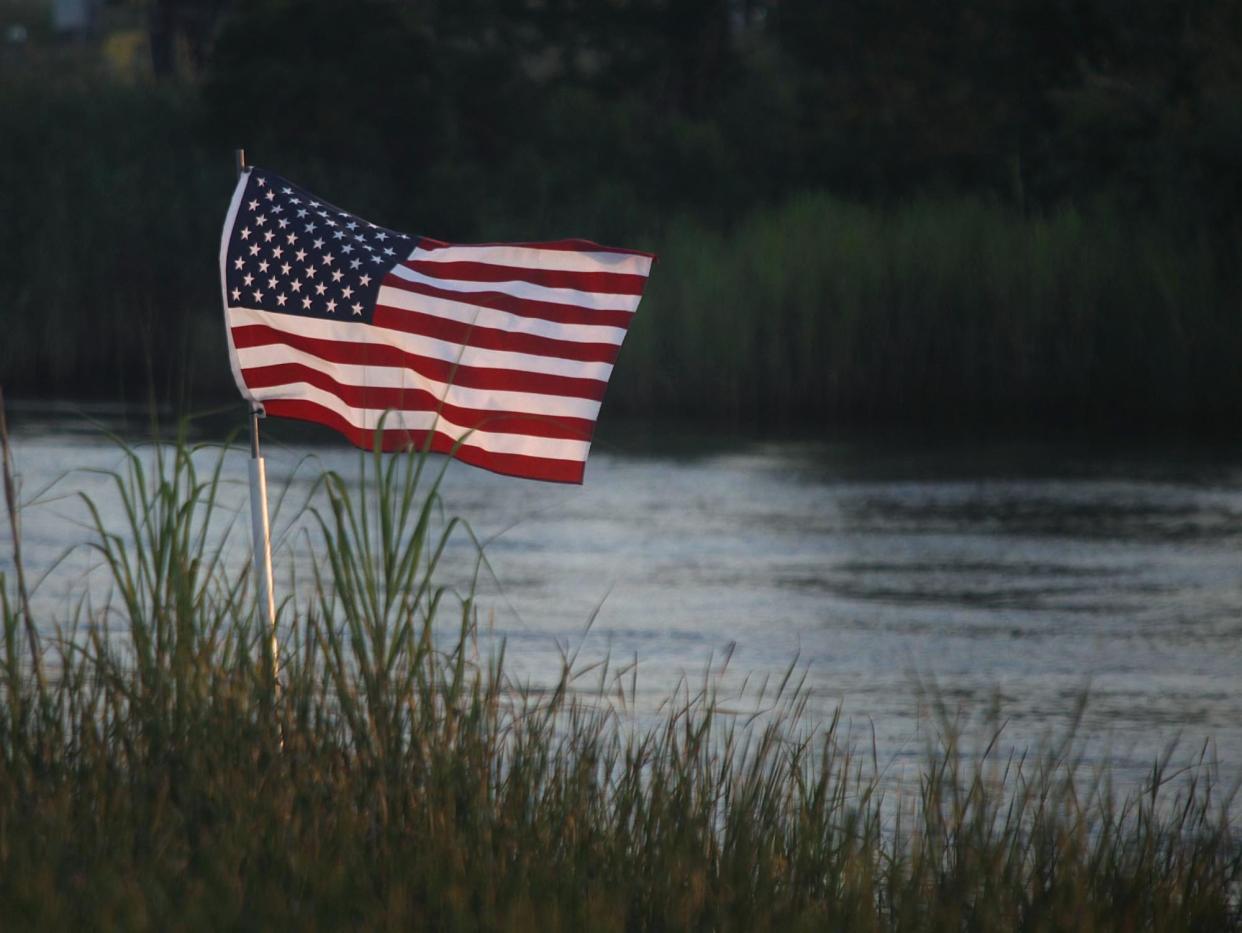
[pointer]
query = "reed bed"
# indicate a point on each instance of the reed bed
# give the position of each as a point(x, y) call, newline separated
point(392, 776)
point(940, 310)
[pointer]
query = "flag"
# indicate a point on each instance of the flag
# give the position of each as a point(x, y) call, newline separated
point(497, 352)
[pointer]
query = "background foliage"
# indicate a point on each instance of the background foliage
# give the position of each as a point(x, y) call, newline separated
point(1006, 208)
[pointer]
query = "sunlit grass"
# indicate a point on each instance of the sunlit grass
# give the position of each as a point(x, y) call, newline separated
point(395, 777)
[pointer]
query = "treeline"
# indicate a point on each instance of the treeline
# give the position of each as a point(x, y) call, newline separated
point(537, 109)
point(866, 210)
point(461, 114)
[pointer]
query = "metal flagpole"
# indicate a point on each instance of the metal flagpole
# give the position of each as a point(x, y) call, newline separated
point(260, 530)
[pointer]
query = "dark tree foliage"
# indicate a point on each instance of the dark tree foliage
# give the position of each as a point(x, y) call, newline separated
point(190, 23)
point(478, 110)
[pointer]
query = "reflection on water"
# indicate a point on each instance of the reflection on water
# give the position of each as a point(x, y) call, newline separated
point(1026, 572)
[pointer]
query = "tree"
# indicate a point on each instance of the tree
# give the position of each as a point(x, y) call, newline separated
point(188, 25)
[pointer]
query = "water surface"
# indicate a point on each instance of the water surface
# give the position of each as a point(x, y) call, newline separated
point(889, 570)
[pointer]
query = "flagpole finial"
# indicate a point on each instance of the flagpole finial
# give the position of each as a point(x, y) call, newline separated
point(240, 156)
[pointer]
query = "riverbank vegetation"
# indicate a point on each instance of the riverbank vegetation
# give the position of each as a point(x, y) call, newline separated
point(816, 309)
point(154, 773)
point(1024, 214)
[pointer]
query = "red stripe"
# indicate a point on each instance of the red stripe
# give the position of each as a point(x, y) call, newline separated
point(544, 468)
point(569, 246)
point(526, 307)
point(386, 399)
point(379, 354)
point(491, 338)
point(613, 283)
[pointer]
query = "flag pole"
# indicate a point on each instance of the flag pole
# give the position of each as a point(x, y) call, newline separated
point(260, 530)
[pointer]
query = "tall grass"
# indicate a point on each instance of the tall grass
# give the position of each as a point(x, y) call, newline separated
point(944, 310)
point(395, 777)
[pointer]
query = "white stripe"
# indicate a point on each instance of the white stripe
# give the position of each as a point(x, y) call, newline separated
point(357, 332)
point(229, 221)
point(390, 377)
point(533, 257)
point(500, 320)
point(368, 419)
point(595, 301)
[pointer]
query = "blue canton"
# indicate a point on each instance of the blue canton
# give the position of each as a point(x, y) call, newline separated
point(293, 253)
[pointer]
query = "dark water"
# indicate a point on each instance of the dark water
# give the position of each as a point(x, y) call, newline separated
point(890, 569)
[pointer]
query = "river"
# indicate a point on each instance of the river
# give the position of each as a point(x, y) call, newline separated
point(996, 578)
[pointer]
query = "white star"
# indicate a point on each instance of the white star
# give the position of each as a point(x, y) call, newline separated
point(271, 282)
point(296, 285)
point(310, 272)
point(327, 259)
point(352, 225)
point(248, 279)
point(365, 281)
point(381, 235)
point(336, 275)
point(278, 251)
point(237, 294)
point(283, 223)
point(301, 213)
point(271, 195)
point(284, 268)
point(347, 292)
point(331, 222)
point(245, 234)
point(280, 299)
point(347, 249)
point(320, 288)
point(357, 308)
point(238, 263)
point(306, 303)
point(268, 236)
point(355, 263)
point(254, 249)
point(310, 228)
point(262, 182)
point(318, 244)
point(388, 251)
point(368, 247)
point(300, 255)
point(258, 295)
point(377, 258)
point(294, 201)
point(404, 236)
point(278, 209)
point(337, 234)
point(291, 238)
point(331, 304)
point(260, 220)
point(314, 203)
point(286, 191)
point(263, 266)
point(253, 205)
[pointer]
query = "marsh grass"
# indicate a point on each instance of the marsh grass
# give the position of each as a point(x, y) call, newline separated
point(395, 777)
point(942, 310)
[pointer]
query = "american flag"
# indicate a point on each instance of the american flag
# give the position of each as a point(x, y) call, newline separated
point(498, 352)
